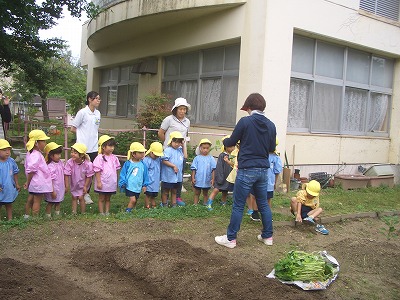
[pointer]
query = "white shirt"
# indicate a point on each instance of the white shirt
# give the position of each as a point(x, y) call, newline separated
point(172, 123)
point(87, 125)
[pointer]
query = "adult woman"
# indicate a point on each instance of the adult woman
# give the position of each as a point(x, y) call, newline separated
point(5, 114)
point(177, 121)
point(257, 135)
point(86, 125)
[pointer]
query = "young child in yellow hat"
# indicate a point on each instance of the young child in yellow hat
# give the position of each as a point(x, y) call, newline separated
point(78, 172)
point(56, 166)
point(203, 167)
point(152, 161)
point(9, 186)
point(172, 169)
point(105, 166)
point(38, 177)
point(133, 177)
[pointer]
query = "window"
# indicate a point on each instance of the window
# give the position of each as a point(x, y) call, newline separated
point(119, 92)
point(208, 79)
point(384, 8)
point(338, 90)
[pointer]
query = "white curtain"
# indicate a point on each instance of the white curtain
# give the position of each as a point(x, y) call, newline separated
point(210, 97)
point(299, 103)
point(377, 112)
point(355, 103)
point(189, 92)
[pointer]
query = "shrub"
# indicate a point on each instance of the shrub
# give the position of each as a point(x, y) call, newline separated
point(124, 140)
point(152, 112)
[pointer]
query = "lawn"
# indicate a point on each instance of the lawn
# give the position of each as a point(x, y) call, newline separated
point(334, 201)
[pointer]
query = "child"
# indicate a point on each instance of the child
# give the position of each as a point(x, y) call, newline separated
point(77, 174)
point(133, 177)
point(222, 171)
point(38, 181)
point(203, 167)
point(171, 169)
point(105, 166)
point(305, 206)
point(53, 158)
point(153, 164)
point(9, 186)
point(275, 168)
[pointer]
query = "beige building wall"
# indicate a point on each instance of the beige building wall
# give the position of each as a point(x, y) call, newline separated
point(265, 30)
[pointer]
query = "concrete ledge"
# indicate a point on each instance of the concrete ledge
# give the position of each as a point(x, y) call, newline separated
point(388, 213)
point(334, 219)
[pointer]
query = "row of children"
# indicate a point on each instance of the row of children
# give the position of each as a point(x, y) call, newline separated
point(48, 177)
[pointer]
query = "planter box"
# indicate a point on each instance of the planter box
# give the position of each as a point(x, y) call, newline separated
point(349, 182)
point(379, 170)
point(376, 181)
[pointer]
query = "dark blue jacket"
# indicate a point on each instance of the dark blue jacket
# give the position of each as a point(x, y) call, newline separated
point(257, 136)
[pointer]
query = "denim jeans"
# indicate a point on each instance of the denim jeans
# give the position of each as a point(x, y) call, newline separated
point(246, 179)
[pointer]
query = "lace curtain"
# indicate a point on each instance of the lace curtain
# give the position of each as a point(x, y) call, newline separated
point(355, 103)
point(377, 112)
point(299, 103)
point(210, 98)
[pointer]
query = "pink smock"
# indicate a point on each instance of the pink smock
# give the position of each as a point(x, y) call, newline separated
point(41, 180)
point(57, 176)
point(78, 173)
point(107, 165)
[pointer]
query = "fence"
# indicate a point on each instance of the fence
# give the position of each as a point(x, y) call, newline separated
point(59, 131)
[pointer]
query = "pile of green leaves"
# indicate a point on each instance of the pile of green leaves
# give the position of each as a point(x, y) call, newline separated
point(303, 266)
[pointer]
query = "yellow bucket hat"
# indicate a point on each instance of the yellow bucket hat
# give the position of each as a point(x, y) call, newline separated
point(156, 148)
point(4, 144)
point(135, 147)
point(205, 141)
point(102, 140)
point(175, 135)
point(81, 148)
point(35, 135)
point(222, 147)
point(49, 147)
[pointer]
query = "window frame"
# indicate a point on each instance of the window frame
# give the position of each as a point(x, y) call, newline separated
point(345, 86)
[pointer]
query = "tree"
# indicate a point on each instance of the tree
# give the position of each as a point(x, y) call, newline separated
point(20, 44)
point(54, 76)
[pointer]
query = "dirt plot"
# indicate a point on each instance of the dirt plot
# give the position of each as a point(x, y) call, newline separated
point(150, 259)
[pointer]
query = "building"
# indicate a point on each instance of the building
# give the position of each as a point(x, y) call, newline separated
point(329, 70)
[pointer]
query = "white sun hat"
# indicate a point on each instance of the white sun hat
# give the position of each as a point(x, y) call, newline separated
point(180, 102)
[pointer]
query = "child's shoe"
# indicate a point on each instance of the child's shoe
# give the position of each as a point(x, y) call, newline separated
point(321, 229)
point(128, 210)
point(88, 199)
point(223, 241)
point(249, 212)
point(309, 219)
point(180, 202)
point(209, 203)
point(267, 241)
point(255, 216)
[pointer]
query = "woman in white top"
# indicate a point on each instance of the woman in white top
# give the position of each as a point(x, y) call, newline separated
point(177, 121)
point(86, 126)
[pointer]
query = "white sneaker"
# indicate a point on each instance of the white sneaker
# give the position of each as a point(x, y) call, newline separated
point(87, 198)
point(223, 241)
point(267, 241)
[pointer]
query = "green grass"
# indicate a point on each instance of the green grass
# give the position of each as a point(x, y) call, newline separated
point(334, 201)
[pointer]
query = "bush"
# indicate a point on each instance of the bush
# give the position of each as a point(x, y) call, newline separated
point(152, 112)
point(124, 140)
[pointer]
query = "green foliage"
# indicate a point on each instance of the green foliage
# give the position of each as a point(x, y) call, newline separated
point(303, 266)
point(21, 21)
point(124, 140)
point(152, 112)
point(390, 231)
point(54, 77)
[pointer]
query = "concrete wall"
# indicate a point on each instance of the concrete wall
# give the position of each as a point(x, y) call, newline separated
point(265, 30)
